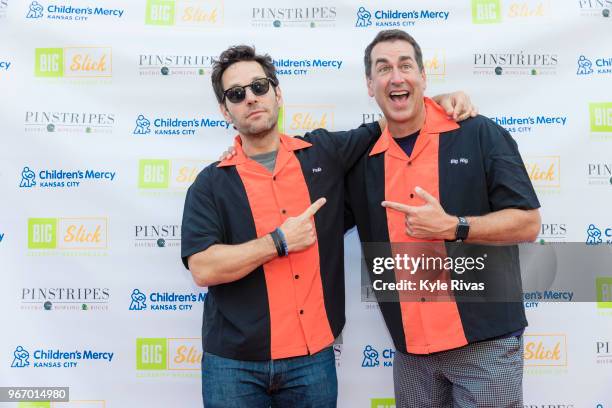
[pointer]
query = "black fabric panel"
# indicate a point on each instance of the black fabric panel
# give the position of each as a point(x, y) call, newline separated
point(365, 192)
point(324, 176)
point(481, 171)
point(236, 322)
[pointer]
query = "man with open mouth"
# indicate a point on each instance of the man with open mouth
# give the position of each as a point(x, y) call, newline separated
point(264, 230)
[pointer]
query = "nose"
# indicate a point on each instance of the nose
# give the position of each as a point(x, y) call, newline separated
point(396, 76)
point(250, 97)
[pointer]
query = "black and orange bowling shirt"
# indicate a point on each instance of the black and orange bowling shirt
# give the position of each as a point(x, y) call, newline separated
point(472, 168)
point(293, 305)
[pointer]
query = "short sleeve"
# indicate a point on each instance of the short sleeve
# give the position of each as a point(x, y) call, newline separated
point(508, 183)
point(201, 225)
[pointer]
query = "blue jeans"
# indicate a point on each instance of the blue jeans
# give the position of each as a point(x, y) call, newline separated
point(297, 382)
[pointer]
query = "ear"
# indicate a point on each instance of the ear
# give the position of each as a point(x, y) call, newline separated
point(369, 85)
point(225, 112)
point(279, 96)
point(424, 77)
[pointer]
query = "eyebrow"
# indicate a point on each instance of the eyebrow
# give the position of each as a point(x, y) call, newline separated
point(402, 58)
point(252, 79)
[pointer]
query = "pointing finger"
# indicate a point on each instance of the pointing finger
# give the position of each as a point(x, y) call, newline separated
point(314, 207)
point(397, 206)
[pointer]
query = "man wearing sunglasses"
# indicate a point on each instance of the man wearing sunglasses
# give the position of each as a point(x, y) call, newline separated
point(264, 231)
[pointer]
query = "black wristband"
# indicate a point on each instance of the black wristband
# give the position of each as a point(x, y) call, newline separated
point(463, 229)
point(277, 243)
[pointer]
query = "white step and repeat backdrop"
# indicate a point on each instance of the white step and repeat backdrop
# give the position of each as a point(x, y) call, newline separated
point(107, 115)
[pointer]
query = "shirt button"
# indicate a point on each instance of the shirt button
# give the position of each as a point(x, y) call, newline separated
point(410, 163)
point(274, 178)
point(297, 276)
point(301, 311)
point(411, 195)
point(284, 211)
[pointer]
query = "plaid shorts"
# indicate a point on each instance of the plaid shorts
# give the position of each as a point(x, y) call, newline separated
point(484, 374)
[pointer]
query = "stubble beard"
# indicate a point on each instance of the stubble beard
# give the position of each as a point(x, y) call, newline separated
point(257, 131)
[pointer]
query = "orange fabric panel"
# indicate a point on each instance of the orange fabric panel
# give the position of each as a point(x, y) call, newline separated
point(435, 325)
point(298, 319)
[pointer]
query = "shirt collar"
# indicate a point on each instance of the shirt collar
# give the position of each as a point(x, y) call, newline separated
point(287, 143)
point(436, 122)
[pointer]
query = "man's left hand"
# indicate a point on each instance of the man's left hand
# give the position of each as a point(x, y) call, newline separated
point(428, 221)
point(457, 105)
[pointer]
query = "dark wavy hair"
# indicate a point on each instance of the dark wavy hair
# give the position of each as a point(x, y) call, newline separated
point(236, 54)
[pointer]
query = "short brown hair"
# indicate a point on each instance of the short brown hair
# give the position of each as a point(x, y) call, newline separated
point(391, 35)
point(236, 54)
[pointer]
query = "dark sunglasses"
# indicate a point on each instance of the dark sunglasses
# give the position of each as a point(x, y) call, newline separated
point(258, 87)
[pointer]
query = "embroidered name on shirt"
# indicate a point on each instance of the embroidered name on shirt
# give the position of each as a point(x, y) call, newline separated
point(317, 170)
point(461, 160)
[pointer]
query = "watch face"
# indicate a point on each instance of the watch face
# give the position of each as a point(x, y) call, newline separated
point(462, 232)
point(463, 228)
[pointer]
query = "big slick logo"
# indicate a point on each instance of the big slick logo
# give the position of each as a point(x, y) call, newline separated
point(545, 350)
point(49, 234)
point(382, 403)
point(304, 66)
point(498, 11)
point(299, 119)
point(175, 65)
point(599, 174)
point(57, 358)
point(595, 8)
point(434, 62)
point(184, 13)
point(165, 301)
point(154, 356)
point(157, 236)
point(58, 178)
point(168, 175)
point(175, 126)
point(68, 12)
point(544, 172)
point(529, 123)
point(603, 290)
point(515, 63)
point(600, 116)
point(73, 62)
point(65, 298)
point(603, 66)
point(278, 17)
point(398, 18)
point(68, 122)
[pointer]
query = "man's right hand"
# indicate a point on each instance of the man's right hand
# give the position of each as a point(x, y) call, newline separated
point(300, 232)
point(228, 154)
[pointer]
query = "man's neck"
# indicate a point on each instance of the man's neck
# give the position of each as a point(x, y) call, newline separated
point(254, 145)
point(401, 129)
